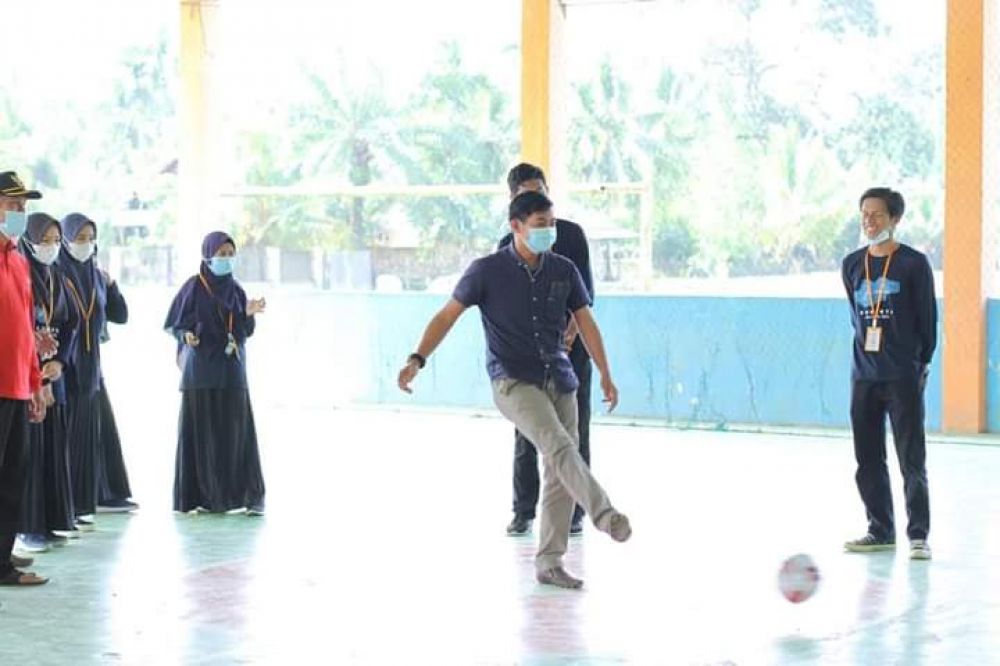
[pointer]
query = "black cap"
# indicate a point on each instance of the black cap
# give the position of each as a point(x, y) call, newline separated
point(11, 186)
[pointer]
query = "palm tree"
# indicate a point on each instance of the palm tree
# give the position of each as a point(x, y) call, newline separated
point(603, 134)
point(347, 132)
point(459, 130)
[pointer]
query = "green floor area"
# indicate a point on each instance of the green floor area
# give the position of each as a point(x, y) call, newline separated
point(384, 544)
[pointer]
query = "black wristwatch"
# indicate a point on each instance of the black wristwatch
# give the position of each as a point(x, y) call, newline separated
point(421, 361)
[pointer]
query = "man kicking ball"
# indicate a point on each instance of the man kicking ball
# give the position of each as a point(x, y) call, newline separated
point(525, 295)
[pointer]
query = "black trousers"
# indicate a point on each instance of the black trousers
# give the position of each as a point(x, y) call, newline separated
point(903, 402)
point(526, 478)
point(13, 440)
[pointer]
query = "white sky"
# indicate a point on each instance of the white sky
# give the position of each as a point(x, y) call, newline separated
point(649, 35)
point(69, 48)
point(266, 43)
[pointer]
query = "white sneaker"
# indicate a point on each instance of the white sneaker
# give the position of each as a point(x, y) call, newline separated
point(920, 550)
point(85, 523)
point(69, 534)
point(31, 543)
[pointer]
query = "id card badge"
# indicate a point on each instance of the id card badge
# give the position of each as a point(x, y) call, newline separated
point(231, 347)
point(48, 335)
point(873, 339)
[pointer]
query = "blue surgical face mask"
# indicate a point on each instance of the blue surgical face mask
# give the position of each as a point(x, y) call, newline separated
point(14, 223)
point(541, 239)
point(221, 265)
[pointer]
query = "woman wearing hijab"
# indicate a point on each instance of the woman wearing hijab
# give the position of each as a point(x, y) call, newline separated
point(95, 451)
point(47, 503)
point(218, 462)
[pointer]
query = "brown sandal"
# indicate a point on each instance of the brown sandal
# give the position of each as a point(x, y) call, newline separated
point(22, 579)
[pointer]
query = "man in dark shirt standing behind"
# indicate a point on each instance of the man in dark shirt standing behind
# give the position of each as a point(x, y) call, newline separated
point(890, 287)
point(571, 243)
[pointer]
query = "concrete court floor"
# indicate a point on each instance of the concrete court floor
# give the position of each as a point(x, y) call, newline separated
point(384, 544)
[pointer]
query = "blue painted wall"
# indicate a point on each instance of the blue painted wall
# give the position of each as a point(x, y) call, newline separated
point(714, 360)
point(993, 367)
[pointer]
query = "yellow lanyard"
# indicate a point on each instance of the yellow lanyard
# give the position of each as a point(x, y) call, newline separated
point(228, 324)
point(52, 303)
point(877, 306)
point(86, 314)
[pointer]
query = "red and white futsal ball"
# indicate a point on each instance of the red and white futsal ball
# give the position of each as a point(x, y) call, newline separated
point(798, 578)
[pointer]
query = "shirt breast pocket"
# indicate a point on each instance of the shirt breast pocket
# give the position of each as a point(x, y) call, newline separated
point(555, 302)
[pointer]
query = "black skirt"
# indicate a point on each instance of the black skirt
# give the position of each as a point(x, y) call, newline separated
point(47, 502)
point(218, 462)
point(84, 436)
point(112, 477)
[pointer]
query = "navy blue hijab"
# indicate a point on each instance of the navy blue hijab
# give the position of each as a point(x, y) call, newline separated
point(52, 307)
point(85, 273)
point(83, 280)
point(187, 310)
point(224, 289)
point(85, 288)
point(45, 281)
point(211, 307)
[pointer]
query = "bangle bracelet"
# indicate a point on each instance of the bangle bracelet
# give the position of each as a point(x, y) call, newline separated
point(421, 361)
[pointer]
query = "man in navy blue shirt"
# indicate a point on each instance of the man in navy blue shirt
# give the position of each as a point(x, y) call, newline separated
point(524, 293)
point(571, 243)
point(890, 287)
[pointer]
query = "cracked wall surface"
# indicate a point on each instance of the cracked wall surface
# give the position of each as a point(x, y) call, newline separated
point(698, 360)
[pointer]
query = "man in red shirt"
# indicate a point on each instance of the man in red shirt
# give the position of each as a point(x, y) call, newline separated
point(21, 395)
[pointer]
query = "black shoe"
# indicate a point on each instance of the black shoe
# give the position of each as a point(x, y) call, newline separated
point(870, 543)
point(117, 506)
point(576, 529)
point(520, 526)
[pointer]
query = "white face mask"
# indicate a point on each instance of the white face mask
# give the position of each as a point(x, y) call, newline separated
point(882, 236)
point(45, 254)
point(81, 251)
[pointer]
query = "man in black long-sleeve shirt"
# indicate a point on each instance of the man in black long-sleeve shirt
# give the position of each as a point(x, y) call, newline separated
point(571, 243)
point(890, 287)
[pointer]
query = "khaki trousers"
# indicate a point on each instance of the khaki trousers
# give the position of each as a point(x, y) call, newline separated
point(549, 419)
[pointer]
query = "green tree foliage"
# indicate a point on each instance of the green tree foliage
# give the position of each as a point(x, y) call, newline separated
point(459, 128)
point(750, 173)
point(842, 16)
point(345, 133)
point(669, 137)
point(13, 130)
point(92, 155)
point(603, 134)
